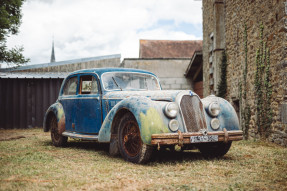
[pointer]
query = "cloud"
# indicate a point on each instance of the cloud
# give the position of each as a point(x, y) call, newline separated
point(93, 28)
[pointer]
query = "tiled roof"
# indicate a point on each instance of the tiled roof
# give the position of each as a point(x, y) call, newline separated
point(169, 48)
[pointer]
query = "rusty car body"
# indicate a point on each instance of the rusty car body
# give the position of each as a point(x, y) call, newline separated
point(127, 109)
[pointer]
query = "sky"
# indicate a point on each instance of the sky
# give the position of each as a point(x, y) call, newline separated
point(90, 28)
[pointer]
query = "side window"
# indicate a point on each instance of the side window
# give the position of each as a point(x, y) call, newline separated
point(89, 85)
point(70, 87)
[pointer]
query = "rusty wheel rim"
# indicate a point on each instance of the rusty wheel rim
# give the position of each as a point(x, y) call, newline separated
point(131, 139)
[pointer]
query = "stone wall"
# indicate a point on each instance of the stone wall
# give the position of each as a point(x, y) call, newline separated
point(208, 28)
point(170, 71)
point(246, 18)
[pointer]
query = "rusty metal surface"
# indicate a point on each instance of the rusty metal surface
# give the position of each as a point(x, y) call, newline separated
point(226, 135)
point(180, 138)
point(173, 138)
point(193, 113)
point(131, 139)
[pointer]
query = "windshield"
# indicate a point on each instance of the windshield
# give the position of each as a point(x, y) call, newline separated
point(129, 81)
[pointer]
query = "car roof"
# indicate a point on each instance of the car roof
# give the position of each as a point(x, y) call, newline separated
point(100, 71)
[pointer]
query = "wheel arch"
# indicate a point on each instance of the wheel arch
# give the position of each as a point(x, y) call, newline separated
point(109, 126)
point(120, 113)
point(47, 120)
point(148, 114)
point(55, 110)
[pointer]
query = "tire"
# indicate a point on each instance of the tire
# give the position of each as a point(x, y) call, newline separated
point(57, 139)
point(131, 147)
point(214, 150)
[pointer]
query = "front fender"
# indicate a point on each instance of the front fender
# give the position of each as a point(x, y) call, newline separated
point(55, 110)
point(228, 117)
point(148, 113)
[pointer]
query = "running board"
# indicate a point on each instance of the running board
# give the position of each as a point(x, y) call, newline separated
point(80, 136)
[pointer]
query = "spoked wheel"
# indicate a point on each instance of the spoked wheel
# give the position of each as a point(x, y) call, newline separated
point(131, 139)
point(130, 144)
point(214, 150)
point(57, 139)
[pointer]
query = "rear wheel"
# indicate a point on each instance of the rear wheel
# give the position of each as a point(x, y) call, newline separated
point(214, 150)
point(131, 146)
point(57, 139)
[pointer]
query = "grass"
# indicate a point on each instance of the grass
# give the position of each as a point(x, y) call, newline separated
point(31, 162)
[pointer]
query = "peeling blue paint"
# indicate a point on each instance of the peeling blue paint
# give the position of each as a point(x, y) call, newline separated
point(227, 117)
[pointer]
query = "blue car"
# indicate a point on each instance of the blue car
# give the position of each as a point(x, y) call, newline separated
point(127, 109)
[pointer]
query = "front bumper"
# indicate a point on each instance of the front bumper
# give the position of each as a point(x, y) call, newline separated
point(184, 138)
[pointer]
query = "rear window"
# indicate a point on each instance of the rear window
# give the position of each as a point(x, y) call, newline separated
point(70, 87)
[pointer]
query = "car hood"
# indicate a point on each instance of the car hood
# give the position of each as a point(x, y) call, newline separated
point(160, 95)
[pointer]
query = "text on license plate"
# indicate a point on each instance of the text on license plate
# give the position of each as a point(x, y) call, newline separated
point(204, 139)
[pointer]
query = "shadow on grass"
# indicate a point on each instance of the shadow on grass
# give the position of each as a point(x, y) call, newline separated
point(85, 145)
point(161, 156)
point(165, 156)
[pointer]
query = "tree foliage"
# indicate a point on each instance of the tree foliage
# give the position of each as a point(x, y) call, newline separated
point(10, 20)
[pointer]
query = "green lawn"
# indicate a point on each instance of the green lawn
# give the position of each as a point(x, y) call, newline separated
point(33, 163)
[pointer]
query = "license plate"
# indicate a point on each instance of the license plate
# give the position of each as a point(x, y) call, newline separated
point(204, 139)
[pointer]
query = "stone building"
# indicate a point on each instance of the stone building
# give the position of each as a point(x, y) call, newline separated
point(253, 36)
point(169, 60)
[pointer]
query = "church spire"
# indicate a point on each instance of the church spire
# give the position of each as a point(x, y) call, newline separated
point(53, 53)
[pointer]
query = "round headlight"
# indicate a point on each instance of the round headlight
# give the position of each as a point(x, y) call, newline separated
point(215, 123)
point(171, 110)
point(173, 125)
point(214, 109)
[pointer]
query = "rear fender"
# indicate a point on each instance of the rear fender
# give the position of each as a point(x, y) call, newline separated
point(55, 110)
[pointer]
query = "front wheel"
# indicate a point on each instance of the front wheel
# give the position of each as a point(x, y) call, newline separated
point(58, 140)
point(214, 150)
point(131, 147)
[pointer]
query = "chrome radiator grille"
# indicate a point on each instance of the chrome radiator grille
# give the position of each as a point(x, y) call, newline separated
point(193, 113)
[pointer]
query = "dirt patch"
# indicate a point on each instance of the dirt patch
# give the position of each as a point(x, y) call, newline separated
point(9, 138)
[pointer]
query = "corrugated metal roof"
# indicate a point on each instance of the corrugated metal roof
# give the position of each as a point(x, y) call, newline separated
point(31, 75)
point(66, 62)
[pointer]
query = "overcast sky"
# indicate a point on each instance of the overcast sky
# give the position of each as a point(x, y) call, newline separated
point(89, 28)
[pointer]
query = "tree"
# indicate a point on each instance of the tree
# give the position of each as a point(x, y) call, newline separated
point(10, 20)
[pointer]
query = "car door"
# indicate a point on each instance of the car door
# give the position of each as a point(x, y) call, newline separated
point(68, 99)
point(89, 116)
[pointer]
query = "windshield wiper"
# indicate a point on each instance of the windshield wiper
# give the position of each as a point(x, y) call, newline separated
point(117, 83)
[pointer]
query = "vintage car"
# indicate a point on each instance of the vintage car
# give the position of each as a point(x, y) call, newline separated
point(127, 109)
